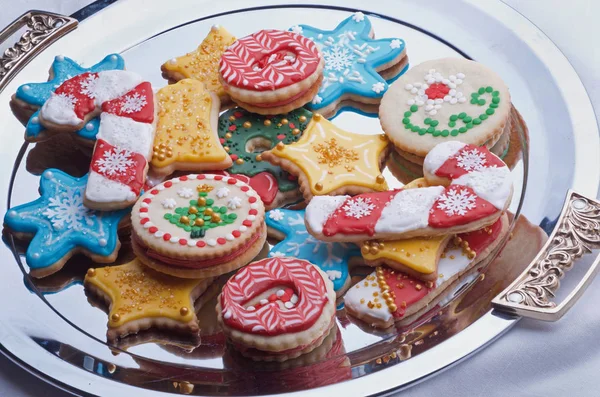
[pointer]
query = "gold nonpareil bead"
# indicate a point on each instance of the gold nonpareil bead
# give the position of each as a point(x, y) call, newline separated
point(318, 186)
point(115, 317)
point(199, 222)
point(380, 179)
point(208, 211)
point(239, 161)
point(258, 157)
point(161, 157)
point(302, 119)
point(228, 135)
point(247, 124)
point(280, 146)
point(215, 218)
point(201, 201)
point(392, 308)
point(185, 220)
point(193, 210)
point(284, 121)
point(231, 118)
point(267, 123)
point(295, 131)
point(364, 250)
point(373, 250)
point(317, 117)
point(184, 311)
point(91, 272)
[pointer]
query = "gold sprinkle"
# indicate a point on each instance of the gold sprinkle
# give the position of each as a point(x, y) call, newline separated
point(418, 287)
point(201, 201)
point(239, 161)
point(208, 211)
point(318, 185)
point(199, 222)
point(267, 123)
point(91, 272)
point(185, 220)
point(284, 121)
point(204, 188)
point(247, 124)
point(215, 218)
point(193, 210)
point(184, 311)
point(231, 118)
point(115, 317)
point(258, 157)
point(302, 119)
point(380, 179)
point(280, 146)
point(316, 116)
point(295, 131)
point(228, 135)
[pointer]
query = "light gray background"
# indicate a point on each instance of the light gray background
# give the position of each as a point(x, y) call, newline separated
point(534, 358)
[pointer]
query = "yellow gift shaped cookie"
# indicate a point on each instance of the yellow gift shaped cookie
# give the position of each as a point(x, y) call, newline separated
point(331, 161)
point(186, 134)
point(203, 63)
point(140, 298)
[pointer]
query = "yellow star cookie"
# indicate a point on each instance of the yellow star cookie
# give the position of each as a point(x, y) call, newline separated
point(331, 161)
point(186, 134)
point(418, 257)
point(140, 298)
point(203, 63)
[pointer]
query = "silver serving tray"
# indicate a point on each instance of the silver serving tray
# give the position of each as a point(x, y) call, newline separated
point(59, 337)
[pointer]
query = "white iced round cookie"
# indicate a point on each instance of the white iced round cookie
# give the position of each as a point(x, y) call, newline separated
point(445, 99)
point(189, 223)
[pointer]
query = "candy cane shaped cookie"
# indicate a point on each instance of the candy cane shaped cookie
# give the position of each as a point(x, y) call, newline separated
point(479, 190)
point(124, 141)
point(256, 308)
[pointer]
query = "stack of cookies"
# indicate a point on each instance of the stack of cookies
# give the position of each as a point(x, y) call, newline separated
point(239, 146)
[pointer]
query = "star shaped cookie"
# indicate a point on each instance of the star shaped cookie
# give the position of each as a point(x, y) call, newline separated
point(356, 64)
point(60, 225)
point(33, 95)
point(332, 258)
point(331, 161)
point(203, 63)
point(140, 298)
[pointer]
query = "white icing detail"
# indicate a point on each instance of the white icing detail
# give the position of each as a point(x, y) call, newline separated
point(103, 190)
point(159, 234)
point(229, 237)
point(126, 133)
point(222, 192)
point(60, 109)
point(234, 203)
point(60, 58)
point(333, 274)
point(102, 242)
point(493, 184)
point(66, 210)
point(148, 225)
point(358, 207)
point(35, 120)
point(317, 100)
point(191, 243)
point(242, 228)
point(296, 29)
point(358, 16)
point(49, 174)
point(185, 192)
point(251, 308)
point(396, 43)
point(227, 315)
point(456, 201)
point(36, 255)
point(26, 87)
point(288, 305)
point(251, 217)
point(115, 161)
point(294, 299)
point(408, 210)
point(144, 205)
point(378, 87)
point(169, 203)
point(277, 254)
point(439, 154)
point(263, 301)
point(276, 215)
point(471, 160)
point(211, 241)
point(89, 126)
point(133, 103)
point(112, 84)
point(361, 291)
point(320, 208)
point(280, 293)
point(174, 239)
point(254, 206)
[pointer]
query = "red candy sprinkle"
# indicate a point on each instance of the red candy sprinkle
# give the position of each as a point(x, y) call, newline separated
point(437, 91)
point(182, 241)
point(218, 177)
point(221, 240)
point(183, 178)
point(147, 200)
point(236, 233)
point(238, 114)
point(200, 176)
point(281, 137)
point(292, 125)
point(244, 188)
point(143, 221)
point(154, 191)
point(252, 199)
point(166, 237)
point(200, 244)
point(168, 184)
point(247, 223)
point(253, 212)
point(143, 209)
point(232, 181)
point(232, 127)
point(222, 140)
point(153, 229)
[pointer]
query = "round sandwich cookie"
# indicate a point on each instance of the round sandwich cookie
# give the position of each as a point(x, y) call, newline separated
point(198, 226)
point(272, 71)
point(281, 306)
point(441, 100)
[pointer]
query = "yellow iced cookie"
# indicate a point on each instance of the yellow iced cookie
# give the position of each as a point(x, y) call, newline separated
point(140, 298)
point(186, 134)
point(331, 161)
point(203, 63)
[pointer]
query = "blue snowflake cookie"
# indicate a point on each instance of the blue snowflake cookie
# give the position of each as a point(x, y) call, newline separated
point(332, 258)
point(36, 94)
point(352, 61)
point(61, 225)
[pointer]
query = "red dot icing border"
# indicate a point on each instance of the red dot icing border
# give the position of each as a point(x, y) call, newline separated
point(251, 196)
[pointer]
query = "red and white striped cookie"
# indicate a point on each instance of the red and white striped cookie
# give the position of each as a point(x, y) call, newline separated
point(124, 141)
point(277, 305)
point(479, 190)
point(271, 71)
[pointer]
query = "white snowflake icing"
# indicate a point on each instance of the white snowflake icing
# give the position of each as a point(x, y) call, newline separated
point(456, 202)
point(358, 16)
point(222, 192)
point(234, 203)
point(338, 58)
point(276, 215)
point(185, 192)
point(396, 43)
point(88, 86)
point(115, 162)
point(296, 29)
point(298, 220)
point(333, 274)
point(169, 203)
point(317, 100)
point(378, 87)
point(358, 207)
point(133, 103)
point(432, 106)
point(65, 101)
point(277, 254)
point(471, 160)
point(66, 210)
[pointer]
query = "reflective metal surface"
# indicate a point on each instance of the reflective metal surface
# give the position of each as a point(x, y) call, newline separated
point(51, 329)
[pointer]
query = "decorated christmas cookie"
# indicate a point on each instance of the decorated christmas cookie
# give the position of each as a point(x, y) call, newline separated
point(387, 296)
point(202, 64)
point(282, 306)
point(479, 190)
point(246, 135)
point(59, 225)
point(272, 71)
point(333, 258)
point(331, 161)
point(140, 298)
point(198, 226)
point(186, 135)
point(357, 66)
point(30, 97)
point(445, 99)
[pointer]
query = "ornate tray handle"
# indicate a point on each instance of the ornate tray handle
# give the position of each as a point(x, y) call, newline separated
point(44, 28)
point(577, 233)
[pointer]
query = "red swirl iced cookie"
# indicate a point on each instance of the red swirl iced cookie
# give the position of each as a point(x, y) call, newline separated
point(281, 306)
point(476, 189)
point(198, 226)
point(272, 71)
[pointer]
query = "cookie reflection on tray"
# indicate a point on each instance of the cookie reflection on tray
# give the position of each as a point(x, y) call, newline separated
point(62, 152)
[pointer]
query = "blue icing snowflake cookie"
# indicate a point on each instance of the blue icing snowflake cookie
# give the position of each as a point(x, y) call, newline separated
point(63, 68)
point(332, 258)
point(61, 225)
point(353, 63)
